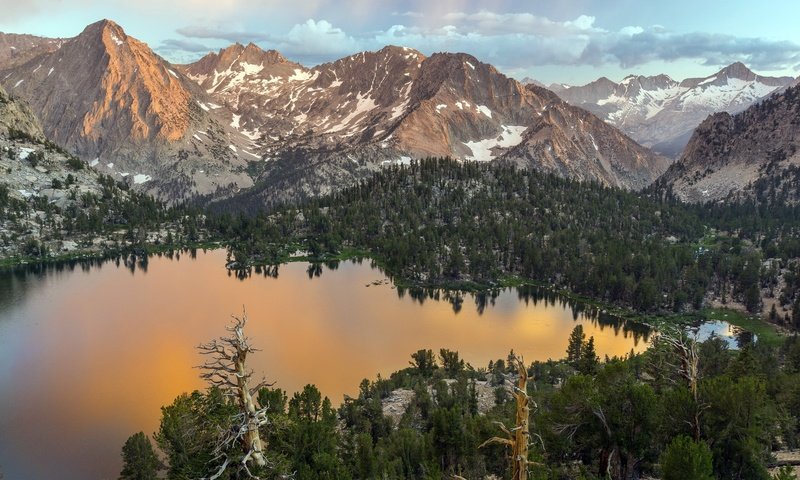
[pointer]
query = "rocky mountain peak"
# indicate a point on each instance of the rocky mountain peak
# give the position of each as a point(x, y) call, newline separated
point(107, 97)
point(738, 70)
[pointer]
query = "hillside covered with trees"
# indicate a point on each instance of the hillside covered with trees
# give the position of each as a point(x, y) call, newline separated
point(443, 223)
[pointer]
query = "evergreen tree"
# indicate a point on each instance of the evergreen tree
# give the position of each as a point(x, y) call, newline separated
point(589, 359)
point(139, 460)
point(575, 346)
point(685, 459)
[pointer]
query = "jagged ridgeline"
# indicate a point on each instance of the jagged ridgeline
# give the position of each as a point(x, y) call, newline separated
point(443, 223)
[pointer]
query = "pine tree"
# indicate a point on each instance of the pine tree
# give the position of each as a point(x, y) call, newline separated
point(589, 359)
point(575, 345)
point(140, 461)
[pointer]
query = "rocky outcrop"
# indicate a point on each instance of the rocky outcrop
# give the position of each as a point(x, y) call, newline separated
point(751, 155)
point(16, 49)
point(16, 117)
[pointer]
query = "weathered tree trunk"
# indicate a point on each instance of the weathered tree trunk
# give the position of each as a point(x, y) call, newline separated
point(519, 439)
point(228, 371)
point(689, 370)
point(252, 439)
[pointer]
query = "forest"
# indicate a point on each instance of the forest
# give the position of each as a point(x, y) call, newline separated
point(441, 223)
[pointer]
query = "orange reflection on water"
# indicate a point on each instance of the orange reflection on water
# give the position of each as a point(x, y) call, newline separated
point(90, 357)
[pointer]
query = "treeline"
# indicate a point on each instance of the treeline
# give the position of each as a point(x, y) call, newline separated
point(626, 418)
point(442, 223)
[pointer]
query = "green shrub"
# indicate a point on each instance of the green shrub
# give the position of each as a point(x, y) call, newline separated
point(686, 459)
point(75, 163)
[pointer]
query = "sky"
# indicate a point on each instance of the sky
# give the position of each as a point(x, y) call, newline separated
point(563, 41)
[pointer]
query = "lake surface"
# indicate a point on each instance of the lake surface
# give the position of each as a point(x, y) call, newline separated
point(734, 336)
point(88, 355)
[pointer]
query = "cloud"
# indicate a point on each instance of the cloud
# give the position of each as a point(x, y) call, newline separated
point(221, 34)
point(630, 48)
point(517, 41)
point(174, 45)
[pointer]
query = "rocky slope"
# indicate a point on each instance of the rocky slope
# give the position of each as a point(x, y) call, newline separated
point(660, 112)
point(108, 98)
point(16, 49)
point(39, 185)
point(753, 154)
point(325, 127)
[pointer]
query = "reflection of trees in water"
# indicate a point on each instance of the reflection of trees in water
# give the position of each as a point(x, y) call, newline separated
point(17, 281)
point(531, 295)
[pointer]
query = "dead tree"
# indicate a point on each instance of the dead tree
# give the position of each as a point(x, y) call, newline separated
point(518, 438)
point(227, 370)
point(689, 368)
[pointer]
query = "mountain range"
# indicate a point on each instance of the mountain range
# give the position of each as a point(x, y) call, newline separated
point(661, 113)
point(253, 124)
point(245, 115)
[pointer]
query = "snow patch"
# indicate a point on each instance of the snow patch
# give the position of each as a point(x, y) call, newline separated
point(24, 152)
point(593, 142)
point(403, 160)
point(235, 121)
point(301, 76)
point(94, 162)
point(17, 84)
point(116, 39)
point(484, 110)
point(470, 65)
point(140, 178)
point(50, 72)
point(482, 149)
point(110, 165)
point(172, 72)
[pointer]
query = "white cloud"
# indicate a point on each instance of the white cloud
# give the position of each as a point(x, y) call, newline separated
point(521, 40)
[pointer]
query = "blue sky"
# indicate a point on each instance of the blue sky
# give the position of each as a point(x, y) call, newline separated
point(571, 41)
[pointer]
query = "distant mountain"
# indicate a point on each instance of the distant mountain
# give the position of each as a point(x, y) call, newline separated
point(754, 154)
point(661, 113)
point(324, 127)
point(108, 98)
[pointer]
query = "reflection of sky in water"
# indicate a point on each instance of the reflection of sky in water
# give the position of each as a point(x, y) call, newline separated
point(734, 336)
point(88, 357)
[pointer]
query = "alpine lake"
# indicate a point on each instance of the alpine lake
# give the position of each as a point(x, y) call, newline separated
point(90, 351)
